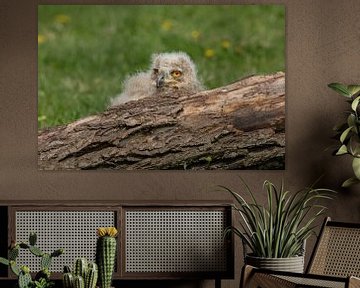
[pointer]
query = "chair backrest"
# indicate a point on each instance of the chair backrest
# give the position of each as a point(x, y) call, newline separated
point(337, 251)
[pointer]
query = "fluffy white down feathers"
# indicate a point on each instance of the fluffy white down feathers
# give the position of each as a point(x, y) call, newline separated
point(169, 72)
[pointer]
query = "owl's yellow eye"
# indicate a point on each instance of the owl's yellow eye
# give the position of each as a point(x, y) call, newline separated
point(176, 73)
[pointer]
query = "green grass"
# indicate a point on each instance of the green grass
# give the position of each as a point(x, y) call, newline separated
point(85, 52)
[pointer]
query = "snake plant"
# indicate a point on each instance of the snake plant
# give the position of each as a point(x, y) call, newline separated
point(279, 228)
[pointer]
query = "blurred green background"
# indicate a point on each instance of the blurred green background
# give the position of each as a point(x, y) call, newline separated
point(86, 51)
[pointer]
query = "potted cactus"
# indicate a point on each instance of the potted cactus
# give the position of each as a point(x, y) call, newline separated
point(42, 278)
point(106, 254)
point(84, 275)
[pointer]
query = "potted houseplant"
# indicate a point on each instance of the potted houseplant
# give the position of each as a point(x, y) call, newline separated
point(42, 278)
point(349, 132)
point(106, 254)
point(84, 274)
point(275, 234)
point(87, 274)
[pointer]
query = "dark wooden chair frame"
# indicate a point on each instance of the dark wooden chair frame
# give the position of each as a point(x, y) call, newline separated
point(255, 277)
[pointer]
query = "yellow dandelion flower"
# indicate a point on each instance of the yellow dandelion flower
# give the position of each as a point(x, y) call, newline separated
point(226, 44)
point(166, 25)
point(41, 38)
point(209, 53)
point(195, 34)
point(62, 19)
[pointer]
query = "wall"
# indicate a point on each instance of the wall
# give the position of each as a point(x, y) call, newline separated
point(323, 46)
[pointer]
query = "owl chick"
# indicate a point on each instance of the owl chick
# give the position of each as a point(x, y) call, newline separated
point(168, 73)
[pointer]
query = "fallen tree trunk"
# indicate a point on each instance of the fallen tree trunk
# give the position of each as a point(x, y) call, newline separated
point(239, 126)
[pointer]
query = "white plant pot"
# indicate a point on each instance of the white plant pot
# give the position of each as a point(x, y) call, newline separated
point(291, 264)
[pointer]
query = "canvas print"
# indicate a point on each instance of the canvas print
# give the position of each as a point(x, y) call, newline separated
point(161, 87)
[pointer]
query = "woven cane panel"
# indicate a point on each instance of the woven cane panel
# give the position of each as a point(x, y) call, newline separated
point(268, 280)
point(74, 231)
point(175, 241)
point(338, 253)
point(312, 282)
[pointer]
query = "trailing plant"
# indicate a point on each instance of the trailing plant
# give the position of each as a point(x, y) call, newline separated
point(279, 229)
point(105, 254)
point(349, 132)
point(84, 275)
point(42, 278)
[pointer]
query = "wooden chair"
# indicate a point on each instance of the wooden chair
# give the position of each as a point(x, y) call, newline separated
point(334, 263)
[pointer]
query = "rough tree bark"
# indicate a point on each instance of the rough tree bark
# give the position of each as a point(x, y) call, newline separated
point(239, 126)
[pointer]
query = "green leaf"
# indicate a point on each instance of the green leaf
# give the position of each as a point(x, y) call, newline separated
point(342, 150)
point(340, 88)
point(32, 238)
point(13, 253)
point(351, 120)
point(354, 145)
point(353, 89)
point(25, 269)
point(14, 268)
point(4, 261)
point(356, 167)
point(45, 261)
point(36, 251)
point(24, 280)
point(57, 252)
point(349, 182)
point(355, 103)
point(345, 134)
point(23, 245)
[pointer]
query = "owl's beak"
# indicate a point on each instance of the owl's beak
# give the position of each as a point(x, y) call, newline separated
point(160, 80)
